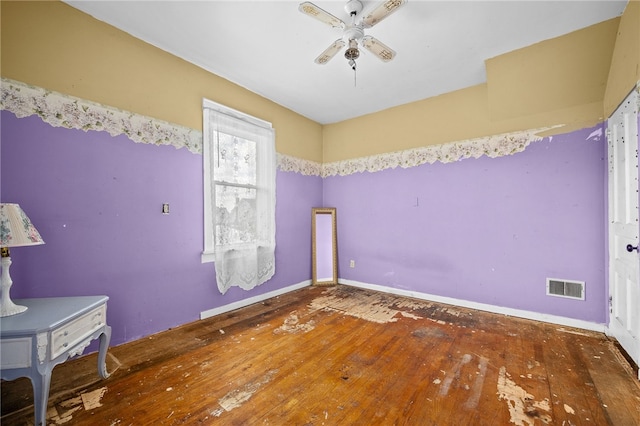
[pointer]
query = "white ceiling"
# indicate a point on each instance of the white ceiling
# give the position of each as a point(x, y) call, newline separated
point(269, 47)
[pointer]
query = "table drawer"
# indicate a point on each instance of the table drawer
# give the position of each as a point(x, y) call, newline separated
point(75, 331)
point(15, 353)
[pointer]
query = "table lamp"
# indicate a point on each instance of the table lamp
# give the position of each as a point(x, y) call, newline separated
point(15, 230)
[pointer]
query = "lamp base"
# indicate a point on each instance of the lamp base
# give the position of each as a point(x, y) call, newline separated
point(9, 308)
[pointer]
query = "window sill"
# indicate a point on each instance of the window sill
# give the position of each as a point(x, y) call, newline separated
point(208, 257)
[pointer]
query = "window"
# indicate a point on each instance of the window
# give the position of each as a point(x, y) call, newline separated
point(239, 196)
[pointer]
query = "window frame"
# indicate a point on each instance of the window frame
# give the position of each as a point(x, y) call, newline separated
point(209, 106)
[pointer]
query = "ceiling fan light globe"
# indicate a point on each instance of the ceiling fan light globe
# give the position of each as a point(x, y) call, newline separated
point(352, 53)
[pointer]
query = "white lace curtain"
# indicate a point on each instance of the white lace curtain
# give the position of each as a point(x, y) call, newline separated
point(243, 162)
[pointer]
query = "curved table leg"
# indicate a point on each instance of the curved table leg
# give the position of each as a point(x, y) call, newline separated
point(105, 338)
point(41, 384)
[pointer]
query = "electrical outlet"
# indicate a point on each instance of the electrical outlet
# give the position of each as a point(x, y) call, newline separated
point(352, 263)
point(165, 208)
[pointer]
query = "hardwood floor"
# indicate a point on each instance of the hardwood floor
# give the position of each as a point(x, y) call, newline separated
point(346, 356)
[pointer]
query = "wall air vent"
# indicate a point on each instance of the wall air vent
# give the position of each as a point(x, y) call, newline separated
point(565, 288)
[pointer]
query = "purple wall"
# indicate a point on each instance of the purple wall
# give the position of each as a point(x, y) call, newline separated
point(483, 230)
point(97, 199)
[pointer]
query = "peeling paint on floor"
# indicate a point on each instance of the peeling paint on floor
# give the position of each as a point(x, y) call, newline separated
point(532, 364)
point(523, 408)
point(374, 307)
point(237, 397)
point(564, 330)
point(93, 399)
point(71, 402)
point(454, 373)
point(293, 325)
point(385, 308)
point(430, 333)
point(452, 311)
point(86, 401)
point(59, 418)
point(476, 391)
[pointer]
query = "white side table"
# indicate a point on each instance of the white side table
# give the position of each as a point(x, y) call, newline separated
point(48, 333)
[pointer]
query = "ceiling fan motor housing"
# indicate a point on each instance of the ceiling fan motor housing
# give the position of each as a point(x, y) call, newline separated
point(353, 33)
point(353, 7)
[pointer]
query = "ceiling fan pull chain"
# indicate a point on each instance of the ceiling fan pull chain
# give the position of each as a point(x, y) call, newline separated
point(355, 78)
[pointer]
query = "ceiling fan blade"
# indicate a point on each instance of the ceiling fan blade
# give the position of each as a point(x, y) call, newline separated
point(321, 15)
point(330, 52)
point(375, 46)
point(382, 11)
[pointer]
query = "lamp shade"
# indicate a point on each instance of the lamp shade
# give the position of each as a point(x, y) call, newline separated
point(15, 227)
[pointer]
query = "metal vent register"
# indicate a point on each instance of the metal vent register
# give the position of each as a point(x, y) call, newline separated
point(565, 288)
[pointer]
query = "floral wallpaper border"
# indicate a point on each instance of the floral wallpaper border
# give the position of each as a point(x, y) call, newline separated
point(60, 110)
point(491, 146)
point(287, 163)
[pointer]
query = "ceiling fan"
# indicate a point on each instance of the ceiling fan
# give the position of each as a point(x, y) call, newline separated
point(353, 32)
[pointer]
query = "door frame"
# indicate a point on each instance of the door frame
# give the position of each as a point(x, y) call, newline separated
point(627, 339)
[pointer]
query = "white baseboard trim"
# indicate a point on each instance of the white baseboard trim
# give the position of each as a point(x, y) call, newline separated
point(251, 300)
point(553, 319)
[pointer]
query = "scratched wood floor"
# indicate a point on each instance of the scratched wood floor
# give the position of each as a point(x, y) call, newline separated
point(346, 356)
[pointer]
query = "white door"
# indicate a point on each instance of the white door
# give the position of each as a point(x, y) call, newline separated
point(624, 260)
